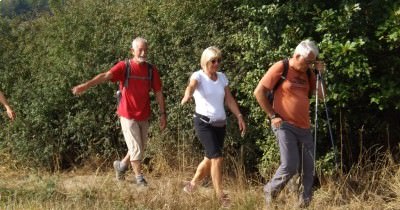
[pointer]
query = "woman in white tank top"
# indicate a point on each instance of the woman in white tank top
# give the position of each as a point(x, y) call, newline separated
point(211, 92)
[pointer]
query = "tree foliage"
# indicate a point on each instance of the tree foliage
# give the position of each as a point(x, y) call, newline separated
point(12, 8)
point(42, 58)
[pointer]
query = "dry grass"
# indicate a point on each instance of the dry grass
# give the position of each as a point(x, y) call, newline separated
point(375, 186)
point(100, 191)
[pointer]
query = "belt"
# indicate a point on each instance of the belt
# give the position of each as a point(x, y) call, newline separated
point(217, 123)
point(202, 117)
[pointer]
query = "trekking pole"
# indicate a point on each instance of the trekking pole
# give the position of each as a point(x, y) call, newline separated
point(328, 119)
point(316, 120)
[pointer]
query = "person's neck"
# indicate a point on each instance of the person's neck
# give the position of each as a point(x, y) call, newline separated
point(211, 75)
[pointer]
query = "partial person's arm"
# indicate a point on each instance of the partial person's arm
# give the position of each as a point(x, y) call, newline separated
point(233, 106)
point(100, 78)
point(189, 91)
point(261, 95)
point(161, 103)
point(10, 112)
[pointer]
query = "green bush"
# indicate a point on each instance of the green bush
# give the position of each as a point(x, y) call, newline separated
point(42, 58)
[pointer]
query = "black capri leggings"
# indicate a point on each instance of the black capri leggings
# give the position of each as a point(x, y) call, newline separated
point(212, 138)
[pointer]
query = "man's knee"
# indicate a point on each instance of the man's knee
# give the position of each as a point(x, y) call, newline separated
point(291, 168)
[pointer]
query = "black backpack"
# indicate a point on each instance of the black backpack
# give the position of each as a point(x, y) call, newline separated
point(128, 76)
point(270, 94)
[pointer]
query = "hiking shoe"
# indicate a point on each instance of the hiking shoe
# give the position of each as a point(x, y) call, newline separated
point(189, 188)
point(225, 201)
point(141, 182)
point(303, 203)
point(119, 171)
point(294, 184)
point(269, 200)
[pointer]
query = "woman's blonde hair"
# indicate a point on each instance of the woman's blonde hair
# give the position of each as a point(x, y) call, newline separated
point(209, 54)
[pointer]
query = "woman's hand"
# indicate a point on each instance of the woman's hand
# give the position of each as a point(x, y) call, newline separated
point(242, 125)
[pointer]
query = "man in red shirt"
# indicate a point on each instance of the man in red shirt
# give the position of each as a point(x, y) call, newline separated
point(134, 106)
point(290, 120)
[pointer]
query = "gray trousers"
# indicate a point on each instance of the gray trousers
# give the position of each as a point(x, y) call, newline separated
point(296, 147)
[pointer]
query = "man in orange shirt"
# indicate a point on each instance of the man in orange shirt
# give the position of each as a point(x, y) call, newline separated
point(290, 120)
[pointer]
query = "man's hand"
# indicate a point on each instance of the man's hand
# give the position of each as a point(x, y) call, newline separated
point(79, 89)
point(276, 122)
point(163, 121)
point(320, 66)
point(10, 113)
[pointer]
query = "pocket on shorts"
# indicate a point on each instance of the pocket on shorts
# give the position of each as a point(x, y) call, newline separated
point(198, 122)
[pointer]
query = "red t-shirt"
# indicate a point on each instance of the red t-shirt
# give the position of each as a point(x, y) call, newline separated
point(291, 97)
point(135, 100)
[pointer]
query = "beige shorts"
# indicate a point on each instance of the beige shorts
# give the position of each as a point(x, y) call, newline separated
point(135, 135)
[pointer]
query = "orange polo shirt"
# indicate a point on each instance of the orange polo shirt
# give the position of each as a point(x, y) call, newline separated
point(291, 100)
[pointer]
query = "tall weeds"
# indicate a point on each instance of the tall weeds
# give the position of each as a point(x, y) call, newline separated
point(371, 184)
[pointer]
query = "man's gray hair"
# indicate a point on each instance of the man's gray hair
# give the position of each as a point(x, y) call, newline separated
point(137, 40)
point(306, 47)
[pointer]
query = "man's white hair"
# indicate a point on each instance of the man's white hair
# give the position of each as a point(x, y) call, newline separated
point(306, 47)
point(137, 40)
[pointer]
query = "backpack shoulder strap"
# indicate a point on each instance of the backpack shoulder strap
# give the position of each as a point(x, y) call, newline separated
point(150, 73)
point(127, 72)
point(285, 68)
point(308, 73)
point(284, 73)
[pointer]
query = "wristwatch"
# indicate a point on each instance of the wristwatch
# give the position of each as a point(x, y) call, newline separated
point(275, 115)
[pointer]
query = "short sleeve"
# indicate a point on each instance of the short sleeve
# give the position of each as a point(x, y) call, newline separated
point(272, 76)
point(195, 76)
point(118, 72)
point(156, 81)
point(224, 79)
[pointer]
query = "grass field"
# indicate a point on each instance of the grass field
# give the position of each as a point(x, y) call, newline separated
point(373, 186)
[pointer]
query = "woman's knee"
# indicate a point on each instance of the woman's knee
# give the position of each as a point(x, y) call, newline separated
point(217, 159)
point(216, 162)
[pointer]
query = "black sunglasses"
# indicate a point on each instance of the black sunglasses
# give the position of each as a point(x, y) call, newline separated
point(213, 61)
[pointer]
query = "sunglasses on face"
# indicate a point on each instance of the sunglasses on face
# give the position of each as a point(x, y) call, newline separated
point(213, 61)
